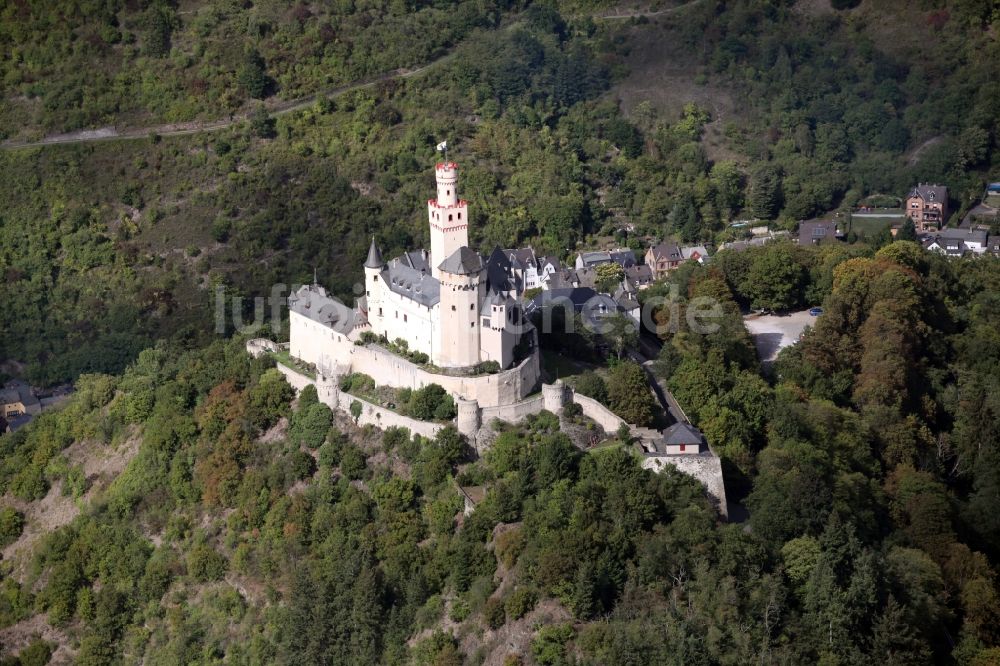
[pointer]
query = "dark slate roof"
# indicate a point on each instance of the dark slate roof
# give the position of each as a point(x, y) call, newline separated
point(624, 257)
point(416, 259)
point(494, 297)
point(668, 251)
point(498, 271)
point(15, 422)
point(562, 279)
point(818, 231)
point(521, 258)
point(639, 274)
point(463, 261)
point(313, 302)
point(417, 285)
point(964, 235)
point(625, 297)
point(374, 259)
point(548, 259)
point(682, 433)
point(929, 192)
point(584, 300)
point(19, 391)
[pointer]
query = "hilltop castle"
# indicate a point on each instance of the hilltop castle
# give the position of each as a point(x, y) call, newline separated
point(443, 303)
point(449, 303)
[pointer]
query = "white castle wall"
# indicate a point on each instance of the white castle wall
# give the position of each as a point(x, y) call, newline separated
point(706, 468)
point(295, 379)
point(405, 318)
point(504, 387)
point(598, 412)
point(386, 418)
point(370, 414)
point(514, 413)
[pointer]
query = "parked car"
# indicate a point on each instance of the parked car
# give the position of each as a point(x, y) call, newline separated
point(815, 312)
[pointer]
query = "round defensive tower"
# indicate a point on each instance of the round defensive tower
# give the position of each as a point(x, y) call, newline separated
point(467, 421)
point(554, 396)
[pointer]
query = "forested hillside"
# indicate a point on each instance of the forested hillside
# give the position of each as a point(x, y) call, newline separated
point(184, 508)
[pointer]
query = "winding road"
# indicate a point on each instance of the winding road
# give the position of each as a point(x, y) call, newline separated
point(178, 129)
point(277, 108)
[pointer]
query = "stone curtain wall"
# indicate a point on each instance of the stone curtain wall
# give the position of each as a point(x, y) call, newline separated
point(503, 388)
point(383, 418)
point(370, 414)
point(513, 413)
point(598, 412)
point(298, 381)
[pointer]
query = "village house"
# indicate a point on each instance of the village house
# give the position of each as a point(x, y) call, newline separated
point(957, 242)
point(19, 405)
point(622, 256)
point(695, 253)
point(815, 232)
point(641, 276)
point(663, 258)
point(927, 206)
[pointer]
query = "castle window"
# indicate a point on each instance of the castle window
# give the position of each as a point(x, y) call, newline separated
point(472, 324)
point(450, 218)
point(404, 317)
point(453, 308)
point(460, 216)
point(380, 312)
point(472, 306)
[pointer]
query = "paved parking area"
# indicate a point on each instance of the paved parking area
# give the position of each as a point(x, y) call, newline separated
point(772, 333)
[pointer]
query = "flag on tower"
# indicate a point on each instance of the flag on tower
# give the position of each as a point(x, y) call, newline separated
point(442, 146)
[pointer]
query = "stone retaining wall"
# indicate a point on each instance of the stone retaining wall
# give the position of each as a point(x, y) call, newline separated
point(706, 468)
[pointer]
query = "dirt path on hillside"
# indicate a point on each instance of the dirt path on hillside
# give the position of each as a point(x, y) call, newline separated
point(278, 108)
point(275, 108)
point(641, 13)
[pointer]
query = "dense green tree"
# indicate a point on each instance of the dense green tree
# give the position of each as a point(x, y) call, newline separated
point(629, 395)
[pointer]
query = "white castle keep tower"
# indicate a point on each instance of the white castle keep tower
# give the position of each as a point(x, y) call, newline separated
point(448, 215)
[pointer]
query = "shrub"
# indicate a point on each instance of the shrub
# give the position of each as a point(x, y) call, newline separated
point(206, 564)
point(11, 525)
point(353, 463)
point(311, 425)
point(300, 465)
point(37, 653)
point(519, 603)
point(493, 613)
point(549, 644)
point(508, 546)
point(459, 610)
point(572, 410)
point(431, 402)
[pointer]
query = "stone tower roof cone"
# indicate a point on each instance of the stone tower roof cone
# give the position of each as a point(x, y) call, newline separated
point(374, 259)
